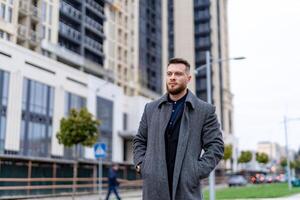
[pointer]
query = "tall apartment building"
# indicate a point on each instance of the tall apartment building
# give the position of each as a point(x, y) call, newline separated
point(134, 45)
point(8, 20)
point(197, 26)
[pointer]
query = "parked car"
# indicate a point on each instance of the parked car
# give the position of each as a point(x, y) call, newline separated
point(257, 178)
point(236, 180)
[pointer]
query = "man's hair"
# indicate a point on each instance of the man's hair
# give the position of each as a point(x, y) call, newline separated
point(180, 61)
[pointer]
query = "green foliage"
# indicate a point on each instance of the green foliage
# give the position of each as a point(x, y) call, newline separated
point(254, 192)
point(262, 158)
point(227, 152)
point(283, 162)
point(293, 164)
point(245, 157)
point(78, 128)
point(297, 164)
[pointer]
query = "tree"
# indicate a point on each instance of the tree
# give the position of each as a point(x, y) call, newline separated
point(78, 128)
point(227, 152)
point(283, 162)
point(245, 157)
point(262, 158)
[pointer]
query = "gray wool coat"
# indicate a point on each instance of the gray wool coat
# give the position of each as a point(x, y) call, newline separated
point(199, 130)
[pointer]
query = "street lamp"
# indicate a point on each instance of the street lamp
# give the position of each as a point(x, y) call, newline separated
point(209, 100)
point(288, 171)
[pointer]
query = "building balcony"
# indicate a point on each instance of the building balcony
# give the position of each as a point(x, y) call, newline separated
point(202, 4)
point(34, 37)
point(23, 8)
point(94, 25)
point(69, 32)
point(93, 45)
point(202, 29)
point(22, 32)
point(34, 12)
point(202, 15)
point(203, 44)
point(69, 10)
point(95, 7)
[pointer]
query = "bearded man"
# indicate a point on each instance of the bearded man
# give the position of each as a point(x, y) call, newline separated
point(172, 133)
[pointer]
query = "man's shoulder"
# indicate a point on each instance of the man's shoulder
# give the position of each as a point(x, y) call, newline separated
point(199, 103)
point(153, 104)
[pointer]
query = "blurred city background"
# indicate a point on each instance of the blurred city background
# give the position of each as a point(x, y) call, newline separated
point(110, 56)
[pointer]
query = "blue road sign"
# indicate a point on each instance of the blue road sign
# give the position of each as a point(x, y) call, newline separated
point(100, 150)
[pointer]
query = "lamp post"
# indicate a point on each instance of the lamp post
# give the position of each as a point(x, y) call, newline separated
point(209, 100)
point(288, 170)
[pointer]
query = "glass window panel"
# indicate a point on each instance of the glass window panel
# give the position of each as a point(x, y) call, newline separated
point(24, 95)
point(9, 14)
point(37, 140)
point(50, 14)
point(2, 132)
point(2, 10)
point(44, 11)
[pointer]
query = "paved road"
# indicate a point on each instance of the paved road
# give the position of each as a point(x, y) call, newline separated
point(137, 195)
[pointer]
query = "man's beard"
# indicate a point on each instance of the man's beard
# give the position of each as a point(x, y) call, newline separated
point(176, 90)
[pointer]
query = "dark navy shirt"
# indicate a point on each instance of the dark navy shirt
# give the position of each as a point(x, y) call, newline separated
point(172, 134)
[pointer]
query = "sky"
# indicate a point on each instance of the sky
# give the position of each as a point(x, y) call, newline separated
point(266, 85)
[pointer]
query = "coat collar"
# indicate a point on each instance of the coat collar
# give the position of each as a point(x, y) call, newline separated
point(190, 100)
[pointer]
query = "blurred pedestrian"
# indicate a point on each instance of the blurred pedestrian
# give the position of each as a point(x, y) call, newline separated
point(172, 133)
point(113, 181)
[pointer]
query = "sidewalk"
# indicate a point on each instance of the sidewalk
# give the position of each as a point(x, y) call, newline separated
point(125, 195)
point(137, 195)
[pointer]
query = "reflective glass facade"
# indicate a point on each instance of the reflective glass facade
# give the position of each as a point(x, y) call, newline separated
point(37, 113)
point(4, 82)
point(150, 45)
point(104, 113)
point(73, 101)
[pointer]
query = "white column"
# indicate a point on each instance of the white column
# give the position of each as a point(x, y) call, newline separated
point(14, 111)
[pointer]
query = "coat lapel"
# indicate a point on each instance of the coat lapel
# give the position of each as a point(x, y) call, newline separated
point(181, 147)
point(164, 117)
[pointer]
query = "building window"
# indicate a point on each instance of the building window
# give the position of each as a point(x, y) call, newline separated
point(9, 14)
point(2, 11)
point(37, 113)
point(49, 34)
point(44, 11)
point(125, 121)
point(4, 81)
point(50, 14)
point(73, 101)
point(104, 113)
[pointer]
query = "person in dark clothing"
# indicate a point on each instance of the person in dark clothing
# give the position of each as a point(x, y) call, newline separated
point(113, 182)
point(173, 131)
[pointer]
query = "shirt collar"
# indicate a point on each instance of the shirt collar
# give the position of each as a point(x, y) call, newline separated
point(189, 100)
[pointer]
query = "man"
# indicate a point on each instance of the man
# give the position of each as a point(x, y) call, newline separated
point(113, 182)
point(172, 133)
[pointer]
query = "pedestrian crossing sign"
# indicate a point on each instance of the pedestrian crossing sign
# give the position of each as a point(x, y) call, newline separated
point(100, 150)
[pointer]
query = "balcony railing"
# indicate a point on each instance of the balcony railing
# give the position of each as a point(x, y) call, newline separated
point(70, 10)
point(24, 7)
point(69, 31)
point(203, 43)
point(202, 15)
point(93, 44)
point(93, 24)
point(95, 6)
point(22, 31)
point(34, 36)
point(203, 28)
point(202, 4)
point(34, 11)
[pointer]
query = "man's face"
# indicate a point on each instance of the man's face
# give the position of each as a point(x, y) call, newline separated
point(177, 78)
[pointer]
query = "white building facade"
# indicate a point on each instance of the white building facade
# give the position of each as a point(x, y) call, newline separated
point(36, 92)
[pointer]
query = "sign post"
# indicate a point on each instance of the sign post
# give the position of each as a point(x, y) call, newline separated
point(100, 153)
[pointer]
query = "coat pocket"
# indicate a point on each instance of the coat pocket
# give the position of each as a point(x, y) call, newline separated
point(195, 173)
